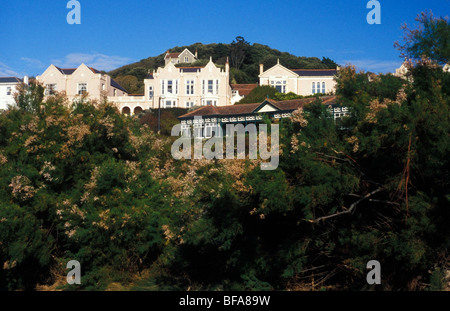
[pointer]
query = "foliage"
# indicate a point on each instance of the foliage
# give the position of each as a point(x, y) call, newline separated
point(430, 39)
point(259, 94)
point(81, 181)
point(74, 186)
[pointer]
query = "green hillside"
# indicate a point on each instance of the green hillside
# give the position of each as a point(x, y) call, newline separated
point(244, 61)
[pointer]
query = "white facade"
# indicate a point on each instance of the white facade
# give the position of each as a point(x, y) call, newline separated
point(7, 89)
point(185, 87)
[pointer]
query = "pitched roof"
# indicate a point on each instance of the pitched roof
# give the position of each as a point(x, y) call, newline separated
point(10, 80)
point(244, 89)
point(172, 55)
point(117, 85)
point(314, 72)
point(221, 110)
point(284, 105)
point(66, 71)
point(69, 71)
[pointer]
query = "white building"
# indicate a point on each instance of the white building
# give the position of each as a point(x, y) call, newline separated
point(299, 81)
point(185, 87)
point(7, 90)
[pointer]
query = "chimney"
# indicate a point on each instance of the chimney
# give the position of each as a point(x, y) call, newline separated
point(261, 69)
point(26, 80)
point(227, 65)
point(196, 53)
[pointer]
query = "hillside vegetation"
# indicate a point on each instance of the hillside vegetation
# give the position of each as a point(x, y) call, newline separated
point(244, 61)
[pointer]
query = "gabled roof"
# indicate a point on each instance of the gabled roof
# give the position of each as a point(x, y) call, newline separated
point(10, 80)
point(172, 55)
point(244, 109)
point(117, 85)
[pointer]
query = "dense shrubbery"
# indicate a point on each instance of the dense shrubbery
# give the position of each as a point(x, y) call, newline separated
point(81, 181)
point(84, 182)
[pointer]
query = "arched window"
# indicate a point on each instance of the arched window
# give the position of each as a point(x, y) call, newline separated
point(137, 110)
point(126, 110)
point(314, 88)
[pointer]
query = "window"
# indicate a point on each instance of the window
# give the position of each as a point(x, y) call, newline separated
point(198, 131)
point(210, 86)
point(103, 86)
point(115, 92)
point(50, 89)
point(8, 90)
point(190, 87)
point(169, 86)
point(208, 130)
point(279, 85)
point(186, 130)
point(217, 87)
point(189, 104)
point(82, 88)
point(170, 104)
point(209, 103)
point(317, 90)
point(150, 92)
point(186, 59)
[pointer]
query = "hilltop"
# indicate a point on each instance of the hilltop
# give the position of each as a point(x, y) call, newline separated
point(244, 60)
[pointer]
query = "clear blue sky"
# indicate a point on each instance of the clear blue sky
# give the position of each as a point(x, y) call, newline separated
point(35, 33)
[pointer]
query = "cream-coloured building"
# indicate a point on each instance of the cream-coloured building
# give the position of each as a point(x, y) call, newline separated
point(402, 71)
point(299, 81)
point(77, 81)
point(185, 57)
point(185, 87)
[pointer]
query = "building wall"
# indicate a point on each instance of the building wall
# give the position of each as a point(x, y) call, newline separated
point(305, 85)
point(6, 99)
point(186, 54)
point(288, 81)
point(221, 88)
point(97, 83)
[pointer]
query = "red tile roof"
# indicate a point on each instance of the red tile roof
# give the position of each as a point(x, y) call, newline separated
point(285, 105)
point(243, 89)
point(172, 55)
